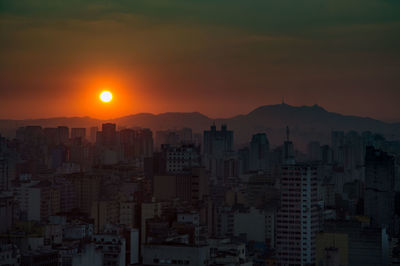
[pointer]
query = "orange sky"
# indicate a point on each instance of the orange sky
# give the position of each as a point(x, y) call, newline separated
point(206, 56)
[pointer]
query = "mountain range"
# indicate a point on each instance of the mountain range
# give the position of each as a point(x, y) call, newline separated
point(306, 123)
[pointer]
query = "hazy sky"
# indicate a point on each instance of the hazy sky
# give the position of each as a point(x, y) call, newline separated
point(218, 57)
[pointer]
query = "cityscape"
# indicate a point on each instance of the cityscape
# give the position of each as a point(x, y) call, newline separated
point(199, 133)
point(116, 195)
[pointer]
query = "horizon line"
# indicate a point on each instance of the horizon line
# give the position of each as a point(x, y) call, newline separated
point(390, 121)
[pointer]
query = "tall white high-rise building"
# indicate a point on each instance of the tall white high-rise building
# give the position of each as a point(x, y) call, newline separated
point(297, 219)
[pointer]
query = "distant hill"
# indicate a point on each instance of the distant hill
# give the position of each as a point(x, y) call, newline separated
point(196, 121)
point(306, 123)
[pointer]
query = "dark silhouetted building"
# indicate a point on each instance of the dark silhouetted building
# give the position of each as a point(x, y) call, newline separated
point(108, 134)
point(259, 148)
point(78, 133)
point(379, 187)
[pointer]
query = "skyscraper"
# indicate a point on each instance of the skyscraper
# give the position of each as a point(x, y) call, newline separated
point(126, 139)
point(51, 135)
point(63, 134)
point(216, 143)
point(180, 159)
point(297, 219)
point(379, 187)
point(218, 147)
point(288, 150)
point(244, 160)
point(4, 181)
point(314, 151)
point(337, 139)
point(143, 142)
point(259, 148)
point(93, 133)
point(78, 133)
point(109, 135)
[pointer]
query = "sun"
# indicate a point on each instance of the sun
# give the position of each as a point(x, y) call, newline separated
point(106, 96)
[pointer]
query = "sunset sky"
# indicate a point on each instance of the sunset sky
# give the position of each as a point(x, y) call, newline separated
point(218, 57)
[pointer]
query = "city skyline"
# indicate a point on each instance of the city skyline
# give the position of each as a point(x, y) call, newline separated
point(199, 132)
point(126, 196)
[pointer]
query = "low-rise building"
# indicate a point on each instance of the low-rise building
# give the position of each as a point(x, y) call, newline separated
point(176, 255)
